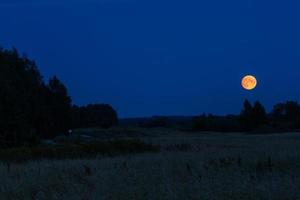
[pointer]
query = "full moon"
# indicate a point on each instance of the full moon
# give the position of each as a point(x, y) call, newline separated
point(249, 82)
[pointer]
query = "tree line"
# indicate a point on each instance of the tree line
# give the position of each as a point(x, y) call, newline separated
point(31, 108)
point(253, 117)
point(283, 117)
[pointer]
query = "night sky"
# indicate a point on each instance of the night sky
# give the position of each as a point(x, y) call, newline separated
point(161, 57)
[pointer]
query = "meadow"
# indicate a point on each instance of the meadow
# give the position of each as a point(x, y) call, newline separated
point(183, 165)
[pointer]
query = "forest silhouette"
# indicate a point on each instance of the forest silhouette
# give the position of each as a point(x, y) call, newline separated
point(283, 117)
point(31, 109)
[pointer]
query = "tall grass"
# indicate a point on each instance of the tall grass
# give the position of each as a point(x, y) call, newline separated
point(204, 167)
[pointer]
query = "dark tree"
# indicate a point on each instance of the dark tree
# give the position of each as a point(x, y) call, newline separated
point(292, 111)
point(286, 115)
point(25, 100)
point(94, 115)
point(252, 118)
point(279, 110)
point(59, 107)
point(246, 120)
point(259, 115)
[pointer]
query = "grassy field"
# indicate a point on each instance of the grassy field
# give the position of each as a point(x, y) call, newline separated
point(187, 166)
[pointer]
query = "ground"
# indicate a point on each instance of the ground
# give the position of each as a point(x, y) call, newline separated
point(188, 166)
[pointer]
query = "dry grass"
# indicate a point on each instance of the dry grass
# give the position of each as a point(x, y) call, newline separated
point(203, 166)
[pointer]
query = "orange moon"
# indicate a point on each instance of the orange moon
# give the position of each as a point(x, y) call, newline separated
point(249, 82)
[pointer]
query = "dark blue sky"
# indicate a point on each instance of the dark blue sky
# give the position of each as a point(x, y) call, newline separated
point(161, 57)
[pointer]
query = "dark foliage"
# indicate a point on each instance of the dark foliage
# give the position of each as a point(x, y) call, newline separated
point(259, 115)
point(252, 118)
point(57, 113)
point(286, 115)
point(246, 115)
point(94, 115)
point(27, 104)
point(31, 109)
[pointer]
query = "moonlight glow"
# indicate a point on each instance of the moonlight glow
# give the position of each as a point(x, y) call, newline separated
point(249, 82)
